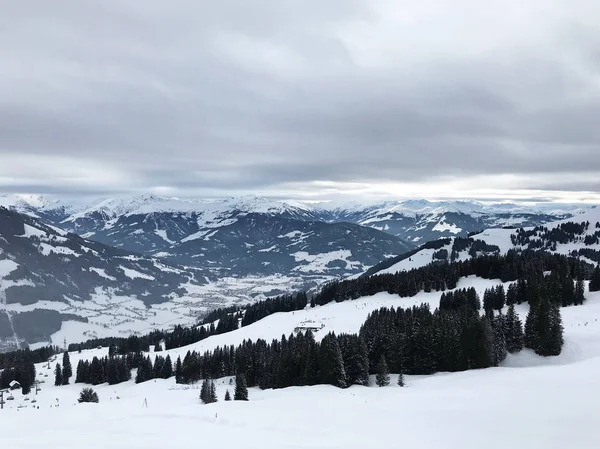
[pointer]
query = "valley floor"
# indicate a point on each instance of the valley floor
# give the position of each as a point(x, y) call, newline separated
point(529, 402)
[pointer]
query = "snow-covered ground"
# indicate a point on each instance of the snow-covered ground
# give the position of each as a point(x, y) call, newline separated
point(529, 402)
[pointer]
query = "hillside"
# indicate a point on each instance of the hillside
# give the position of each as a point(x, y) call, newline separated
point(50, 279)
point(577, 236)
point(464, 407)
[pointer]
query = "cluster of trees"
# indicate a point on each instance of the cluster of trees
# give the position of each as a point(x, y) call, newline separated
point(460, 298)
point(494, 298)
point(114, 369)
point(543, 328)
point(63, 374)
point(476, 248)
point(208, 391)
point(541, 237)
point(589, 253)
point(10, 359)
point(161, 369)
point(440, 277)
point(19, 366)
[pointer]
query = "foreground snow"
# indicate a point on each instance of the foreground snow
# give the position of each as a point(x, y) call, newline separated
point(529, 402)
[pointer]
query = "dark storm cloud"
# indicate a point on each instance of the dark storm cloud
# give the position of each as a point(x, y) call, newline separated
point(233, 96)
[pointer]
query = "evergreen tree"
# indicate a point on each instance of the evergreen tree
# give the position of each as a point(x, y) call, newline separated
point(513, 330)
point(213, 392)
point(58, 377)
point(383, 373)
point(579, 292)
point(227, 396)
point(241, 388)
point(331, 362)
point(544, 329)
point(595, 281)
point(178, 372)
point(167, 369)
point(530, 337)
point(401, 379)
point(500, 346)
point(205, 392)
point(88, 395)
point(67, 370)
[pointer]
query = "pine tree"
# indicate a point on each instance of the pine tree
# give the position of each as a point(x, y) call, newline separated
point(579, 292)
point(227, 396)
point(241, 389)
point(500, 350)
point(383, 373)
point(58, 377)
point(401, 379)
point(88, 395)
point(595, 281)
point(513, 329)
point(331, 362)
point(178, 372)
point(500, 298)
point(212, 394)
point(167, 369)
point(67, 370)
point(530, 337)
point(205, 392)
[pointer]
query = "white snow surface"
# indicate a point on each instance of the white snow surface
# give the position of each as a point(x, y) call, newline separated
point(530, 402)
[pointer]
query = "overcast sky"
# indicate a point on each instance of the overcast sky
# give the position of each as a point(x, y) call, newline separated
point(301, 98)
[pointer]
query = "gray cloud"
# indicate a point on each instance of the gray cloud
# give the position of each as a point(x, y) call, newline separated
point(116, 96)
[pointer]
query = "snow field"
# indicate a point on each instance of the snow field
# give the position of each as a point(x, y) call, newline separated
point(528, 402)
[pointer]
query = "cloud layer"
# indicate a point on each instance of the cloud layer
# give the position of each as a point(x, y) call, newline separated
point(296, 98)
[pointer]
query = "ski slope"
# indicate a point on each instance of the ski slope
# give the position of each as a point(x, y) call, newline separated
point(528, 402)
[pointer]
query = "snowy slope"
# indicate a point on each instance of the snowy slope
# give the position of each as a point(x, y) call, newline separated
point(500, 241)
point(544, 402)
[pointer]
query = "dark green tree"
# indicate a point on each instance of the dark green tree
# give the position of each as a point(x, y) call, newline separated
point(401, 382)
point(383, 373)
point(241, 388)
point(58, 377)
point(513, 329)
point(579, 292)
point(67, 369)
point(88, 395)
point(331, 362)
point(227, 396)
point(595, 280)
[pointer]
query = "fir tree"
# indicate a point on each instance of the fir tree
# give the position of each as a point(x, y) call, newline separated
point(227, 396)
point(513, 330)
point(241, 389)
point(212, 392)
point(58, 377)
point(331, 362)
point(579, 292)
point(178, 372)
point(167, 369)
point(383, 373)
point(88, 395)
point(401, 379)
point(67, 370)
point(530, 336)
point(500, 349)
point(205, 392)
point(595, 281)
